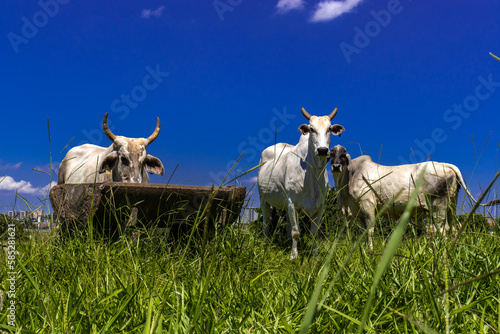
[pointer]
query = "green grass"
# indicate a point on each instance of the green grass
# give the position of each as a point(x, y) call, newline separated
point(246, 284)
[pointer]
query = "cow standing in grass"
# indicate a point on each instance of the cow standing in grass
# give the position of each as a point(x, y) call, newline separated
point(365, 187)
point(126, 160)
point(294, 178)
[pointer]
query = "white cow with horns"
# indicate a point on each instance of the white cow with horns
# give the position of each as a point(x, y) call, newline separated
point(294, 178)
point(365, 187)
point(126, 160)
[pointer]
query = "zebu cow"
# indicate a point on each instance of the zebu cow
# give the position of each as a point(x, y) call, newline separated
point(295, 177)
point(364, 187)
point(126, 160)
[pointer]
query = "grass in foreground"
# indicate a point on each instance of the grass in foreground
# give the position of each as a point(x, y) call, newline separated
point(248, 284)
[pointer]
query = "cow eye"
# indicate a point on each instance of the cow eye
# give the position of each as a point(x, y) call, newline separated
point(312, 130)
point(125, 161)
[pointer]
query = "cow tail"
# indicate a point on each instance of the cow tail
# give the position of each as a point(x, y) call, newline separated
point(459, 175)
point(462, 182)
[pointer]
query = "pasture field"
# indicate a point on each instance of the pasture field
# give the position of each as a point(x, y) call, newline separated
point(242, 283)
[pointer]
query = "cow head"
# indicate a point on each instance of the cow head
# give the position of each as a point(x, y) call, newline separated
point(319, 129)
point(129, 159)
point(339, 159)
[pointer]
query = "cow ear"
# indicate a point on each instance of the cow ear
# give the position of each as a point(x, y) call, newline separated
point(154, 165)
point(337, 129)
point(108, 163)
point(304, 129)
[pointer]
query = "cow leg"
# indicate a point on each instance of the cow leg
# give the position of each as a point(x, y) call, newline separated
point(266, 215)
point(371, 231)
point(294, 228)
point(451, 209)
point(441, 215)
point(368, 214)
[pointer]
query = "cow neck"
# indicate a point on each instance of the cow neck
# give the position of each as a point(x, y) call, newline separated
point(314, 162)
point(305, 152)
point(342, 183)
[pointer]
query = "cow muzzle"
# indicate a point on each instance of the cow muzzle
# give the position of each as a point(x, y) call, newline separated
point(322, 151)
point(336, 168)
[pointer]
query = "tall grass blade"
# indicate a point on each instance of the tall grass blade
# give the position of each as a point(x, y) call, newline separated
point(418, 324)
point(147, 326)
point(390, 250)
point(351, 319)
point(243, 174)
point(446, 295)
point(311, 307)
point(477, 278)
point(428, 289)
point(30, 278)
point(122, 308)
point(12, 329)
point(353, 249)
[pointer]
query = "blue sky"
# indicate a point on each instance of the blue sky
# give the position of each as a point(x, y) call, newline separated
point(406, 76)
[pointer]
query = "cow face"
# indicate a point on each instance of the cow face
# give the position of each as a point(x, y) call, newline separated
point(339, 159)
point(319, 129)
point(129, 160)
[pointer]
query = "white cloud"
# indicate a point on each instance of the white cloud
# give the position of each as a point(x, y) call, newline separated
point(251, 180)
point(10, 166)
point(147, 13)
point(284, 6)
point(23, 187)
point(8, 183)
point(328, 10)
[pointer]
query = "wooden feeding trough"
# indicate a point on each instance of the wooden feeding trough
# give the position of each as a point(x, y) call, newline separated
point(113, 206)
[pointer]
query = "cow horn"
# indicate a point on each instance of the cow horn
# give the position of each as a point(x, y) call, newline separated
point(333, 114)
point(106, 129)
point(305, 113)
point(155, 134)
